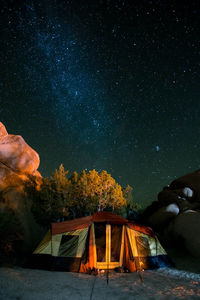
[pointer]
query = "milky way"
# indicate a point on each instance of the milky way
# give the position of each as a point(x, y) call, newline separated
point(104, 84)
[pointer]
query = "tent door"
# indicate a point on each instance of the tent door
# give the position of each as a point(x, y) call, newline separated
point(109, 245)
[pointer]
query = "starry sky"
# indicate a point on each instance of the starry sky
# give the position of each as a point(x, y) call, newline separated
point(107, 84)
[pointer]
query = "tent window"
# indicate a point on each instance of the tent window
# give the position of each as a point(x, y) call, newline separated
point(143, 246)
point(116, 237)
point(68, 245)
point(100, 237)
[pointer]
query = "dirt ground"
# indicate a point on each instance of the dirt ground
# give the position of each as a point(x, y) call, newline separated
point(180, 282)
point(26, 284)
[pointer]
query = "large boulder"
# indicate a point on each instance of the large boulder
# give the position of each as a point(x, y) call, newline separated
point(185, 228)
point(3, 131)
point(18, 162)
point(16, 156)
point(18, 165)
point(175, 216)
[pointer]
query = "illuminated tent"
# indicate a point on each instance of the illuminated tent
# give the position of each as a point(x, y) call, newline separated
point(101, 241)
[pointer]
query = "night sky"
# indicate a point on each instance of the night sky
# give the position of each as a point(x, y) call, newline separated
point(108, 85)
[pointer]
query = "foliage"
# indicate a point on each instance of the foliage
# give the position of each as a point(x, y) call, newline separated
point(50, 202)
point(77, 196)
point(128, 195)
point(95, 191)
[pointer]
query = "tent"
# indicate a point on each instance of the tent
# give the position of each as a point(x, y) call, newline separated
point(101, 241)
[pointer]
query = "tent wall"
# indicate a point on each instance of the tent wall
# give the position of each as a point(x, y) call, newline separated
point(51, 244)
point(54, 254)
point(73, 247)
point(88, 261)
point(147, 252)
point(128, 259)
point(45, 245)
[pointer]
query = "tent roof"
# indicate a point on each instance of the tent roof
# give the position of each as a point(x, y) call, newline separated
point(105, 216)
point(102, 216)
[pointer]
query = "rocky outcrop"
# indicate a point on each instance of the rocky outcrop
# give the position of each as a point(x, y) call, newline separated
point(184, 231)
point(16, 157)
point(18, 162)
point(3, 131)
point(175, 216)
point(18, 165)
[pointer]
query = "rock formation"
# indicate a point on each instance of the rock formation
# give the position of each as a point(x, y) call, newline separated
point(16, 157)
point(3, 131)
point(176, 214)
point(18, 163)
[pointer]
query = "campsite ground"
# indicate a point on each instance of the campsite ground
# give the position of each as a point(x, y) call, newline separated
point(167, 283)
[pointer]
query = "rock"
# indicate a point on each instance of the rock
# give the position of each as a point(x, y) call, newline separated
point(17, 159)
point(176, 214)
point(186, 228)
point(162, 216)
point(16, 155)
point(3, 131)
point(191, 181)
point(18, 164)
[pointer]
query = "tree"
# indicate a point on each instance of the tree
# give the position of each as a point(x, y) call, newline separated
point(94, 191)
point(80, 195)
point(111, 195)
point(132, 207)
point(51, 201)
